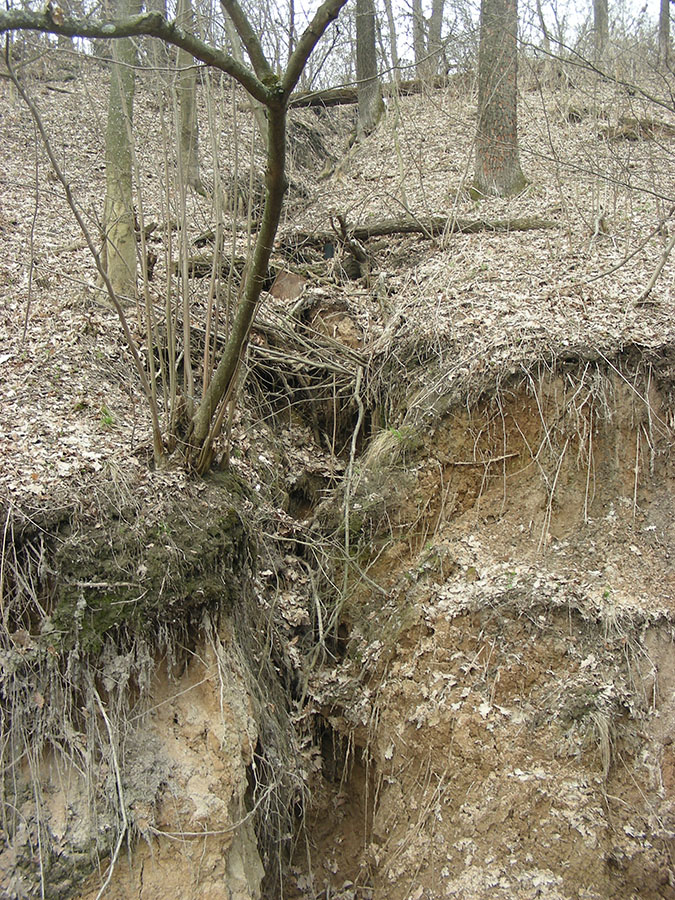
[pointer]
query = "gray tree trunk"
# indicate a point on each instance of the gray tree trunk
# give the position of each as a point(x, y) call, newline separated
point(419, 37)
point(369, 89)
point(664, 33)
point(497, 170)
point(291, 27)
point(393, 46)
point(119, 247)
point(435, 34)
point(158, 51)
point(600, 28)
point(546, 39)
point(235, 50)
point(187, 104)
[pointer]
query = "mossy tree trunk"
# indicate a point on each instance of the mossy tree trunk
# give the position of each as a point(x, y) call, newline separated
point(369, 89)
point(497, 167)
point(119, 242)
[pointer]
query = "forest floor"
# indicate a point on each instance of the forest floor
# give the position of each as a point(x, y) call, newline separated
point(490, 710)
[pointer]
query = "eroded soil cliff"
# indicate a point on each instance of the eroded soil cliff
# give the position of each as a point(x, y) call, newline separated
point(413, 636)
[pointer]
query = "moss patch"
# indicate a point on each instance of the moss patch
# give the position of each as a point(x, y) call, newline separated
point(141, 576)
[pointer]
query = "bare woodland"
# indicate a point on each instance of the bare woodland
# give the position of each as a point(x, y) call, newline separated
point(336, 489)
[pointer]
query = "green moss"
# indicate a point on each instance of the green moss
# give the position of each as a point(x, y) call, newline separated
point(140, 578)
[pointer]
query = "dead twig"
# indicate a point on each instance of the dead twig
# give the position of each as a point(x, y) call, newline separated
point(657, 271)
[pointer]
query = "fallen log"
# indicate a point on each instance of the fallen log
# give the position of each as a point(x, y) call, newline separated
point(343, 96)
point(429, 226)
point(329, 97)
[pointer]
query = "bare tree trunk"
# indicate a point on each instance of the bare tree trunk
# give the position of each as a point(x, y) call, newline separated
point(119, 248)
point(157, 51)
point(546, 40)
point(369, 89)
point(664, 33)
point(187, 104)
point(600, 28)
point(498, 171)
point(419, 37)
point(291, 27)
point(235, 48)
point(393, 48)
point(218, 391)
point(264, 85)
point(435, 33)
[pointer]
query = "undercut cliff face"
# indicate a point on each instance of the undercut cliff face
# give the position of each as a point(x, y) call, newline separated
point(487, 711)
point(502, 715)
point(137, 695)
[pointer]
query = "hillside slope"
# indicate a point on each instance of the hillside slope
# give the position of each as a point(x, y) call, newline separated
point(414, 639)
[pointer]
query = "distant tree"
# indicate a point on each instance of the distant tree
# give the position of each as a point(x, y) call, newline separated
point(119, 239)
point(497, 168)
point(369, 89)
point(419, 37)
point(664, 33)
point(236, 51)
point(435, 48)
point(188, 145)
point(393, 47)
point(546, 39)
point(600, 28)
point(291, 27)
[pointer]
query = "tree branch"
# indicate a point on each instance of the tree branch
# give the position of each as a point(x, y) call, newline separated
point(325, 14)
point(248, 38)
point(151, 24)
point(427, 226)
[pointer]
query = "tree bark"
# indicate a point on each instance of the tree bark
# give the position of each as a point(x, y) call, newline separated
point(119, 247)
point(369, 90)
point(235, 46)
point(223, 378)
point(188, 126)
point(426, 225)
point(393, 46)
point(600, 29)
point(664, 34)
point(419, 37)
point(546, 39)
point(433, 65)
point(497, 167)
point(347, 95)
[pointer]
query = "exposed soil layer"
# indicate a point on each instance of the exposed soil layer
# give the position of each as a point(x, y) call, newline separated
point(507, 693)
point(146, 738)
